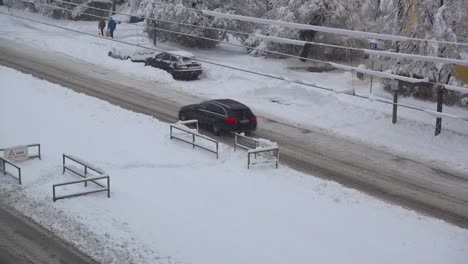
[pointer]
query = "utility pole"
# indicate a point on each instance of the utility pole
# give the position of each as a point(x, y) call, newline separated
point(395, 85)
point(440, 100)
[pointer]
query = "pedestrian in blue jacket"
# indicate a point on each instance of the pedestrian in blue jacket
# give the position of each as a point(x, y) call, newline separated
point(111, 25)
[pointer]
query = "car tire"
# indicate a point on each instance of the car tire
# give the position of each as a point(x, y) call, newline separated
point(171, 72)
point(182, 116)
point(215, 129)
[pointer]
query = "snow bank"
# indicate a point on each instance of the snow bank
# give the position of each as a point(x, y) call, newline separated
point(173, 204)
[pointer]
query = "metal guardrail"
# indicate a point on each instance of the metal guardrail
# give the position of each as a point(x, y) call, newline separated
point(238, 136)
point(274, 149)
point(38, 155)
point(94, 179)
point(87, 167)
point(4, 162)
point(195, 135)
point(189, 122)
point(82, 163)
point(254, 148)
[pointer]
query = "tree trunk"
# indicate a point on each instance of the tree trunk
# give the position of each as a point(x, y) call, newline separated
point(307, 35)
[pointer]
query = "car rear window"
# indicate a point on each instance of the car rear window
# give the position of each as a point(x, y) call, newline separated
point(241, 113)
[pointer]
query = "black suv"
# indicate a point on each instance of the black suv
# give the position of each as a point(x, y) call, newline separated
point(180, 66)
point(221, 115)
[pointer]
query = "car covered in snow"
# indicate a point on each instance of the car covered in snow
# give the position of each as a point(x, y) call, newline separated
point(180, 64)
point(138, 54)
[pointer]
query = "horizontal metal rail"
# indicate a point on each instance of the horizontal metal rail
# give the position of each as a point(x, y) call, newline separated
point(106, 188)
point(3, 164)
point(189, 122)
point(273, 149)
point(38, 150)
point(194, 137)
point(82, 163)
point(237, 144)
point(81, 175)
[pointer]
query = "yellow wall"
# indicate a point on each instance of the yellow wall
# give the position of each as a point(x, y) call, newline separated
point(462, 73)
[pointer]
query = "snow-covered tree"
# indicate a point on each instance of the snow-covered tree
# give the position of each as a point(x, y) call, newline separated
point(185, 12)
point(435, 20)
point(334, 13)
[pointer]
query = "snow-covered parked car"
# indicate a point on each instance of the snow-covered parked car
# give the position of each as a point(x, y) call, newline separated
point(134, 54)
point(180, 64)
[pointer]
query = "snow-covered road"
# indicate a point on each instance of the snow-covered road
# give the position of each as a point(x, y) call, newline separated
point(173, 204)
point(435, 190)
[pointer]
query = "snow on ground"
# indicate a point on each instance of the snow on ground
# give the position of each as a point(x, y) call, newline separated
point(306, 107)
point(173, 204)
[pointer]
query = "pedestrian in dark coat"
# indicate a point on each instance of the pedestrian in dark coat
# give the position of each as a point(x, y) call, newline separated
point(111, 25)
point(102, 25)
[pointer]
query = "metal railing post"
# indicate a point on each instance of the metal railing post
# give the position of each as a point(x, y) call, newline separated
point(4, 167)
point(193, 140)
point(217, 150)
point(248, 160)
point(235, 142)
point(170, 131)
point(39, 148)
point(256, 146)
point(53, 192)
point(85, 173)
point(63, 163)
point(108, 187)
point(19, 175)
point(277, 157)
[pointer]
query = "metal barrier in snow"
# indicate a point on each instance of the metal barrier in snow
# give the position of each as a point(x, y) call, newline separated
point(253, 146)
point(86, 166)
point(273, 149)
point(189, 122)
point(85, 169)
point(94, 179)
point(17, 153)
point(245, 142)
point(3, 167)
point(194, 136)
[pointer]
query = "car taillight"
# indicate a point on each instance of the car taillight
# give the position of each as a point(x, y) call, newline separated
point(253, 118)
point(181, 66)
point(230, 120)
